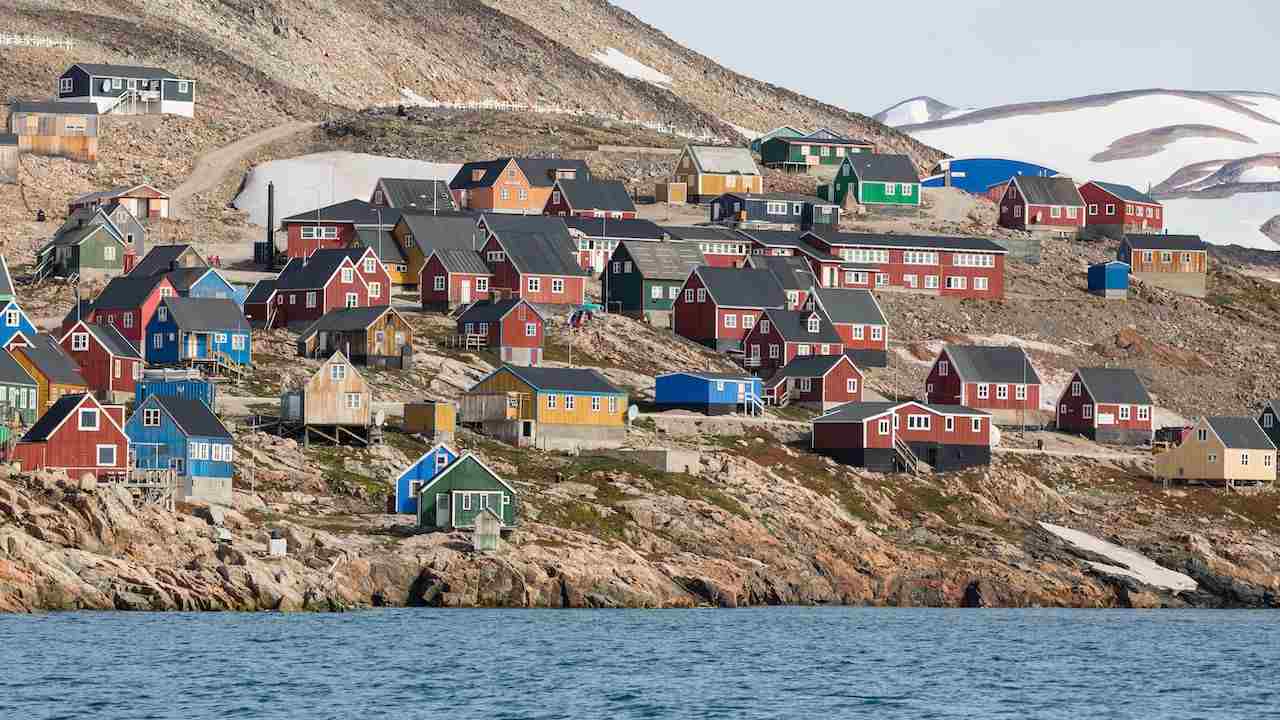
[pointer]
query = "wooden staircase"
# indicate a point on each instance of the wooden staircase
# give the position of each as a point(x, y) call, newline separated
point(906, 458)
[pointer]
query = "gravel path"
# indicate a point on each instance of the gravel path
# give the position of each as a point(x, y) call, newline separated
point(214, 165)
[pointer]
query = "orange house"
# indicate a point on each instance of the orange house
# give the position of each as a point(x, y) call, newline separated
point(512, 185)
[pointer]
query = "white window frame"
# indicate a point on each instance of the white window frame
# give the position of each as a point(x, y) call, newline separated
point(531, 329)
point(439, 283)
point(88, 412)
point(976, 424)
point(482, 284)
point(79, 342)
point(877, 333)
point(97, 454)
point(570, 401)
point(337, 372)
point(1086, 412)
point(375, 289)
point(949, 424)
point(731, 320)
point(557, 286)
point(150, 417)
point(1002, 391)
point(551, 401)
point(984, 391)
point(883, 426)
point(1125, 412)
point(851, 386)
point(1019, 392)
point(312, 298)
point(595, 403)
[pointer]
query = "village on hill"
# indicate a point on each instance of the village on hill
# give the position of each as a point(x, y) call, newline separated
point(536, 345)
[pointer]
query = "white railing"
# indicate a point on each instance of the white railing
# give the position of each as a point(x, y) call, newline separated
point(12, 40)
point(754, 405)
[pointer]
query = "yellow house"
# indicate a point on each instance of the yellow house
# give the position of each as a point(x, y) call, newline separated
point(418, 234)
point(55, 373)
point(1221, 449)
point(711, 171)
point(549, 408)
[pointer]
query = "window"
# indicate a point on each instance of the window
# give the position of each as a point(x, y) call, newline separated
point(613, 404)
point(1124, 412)
point(1020, 392)
point(595, 403)
point(890, 189)
point(825, 349)
point(1244, 458)
point(775, 208)
point(65, 85)
point(1266, 460)
point(802, 349)
point(570, 401)
point(882, 279)
point(439, 283)
point(984, 391)
point(311, 299)
point(523, 193)
point(805, 384)
point(673, 292)
point(1002, 392)
point(977, 425)
point(774, 351)
point(1166, 257)
point(950, 424)
point(117, 83)
point(1093, 208)
point(877, 333)
point(534, 284)
point(906, 190)
point(80, 341)
point(353, 401)
point(943, 368)
point(109, 252)
point(980, 283)
point(688, 296)
point(318, 232)
point(1017, 211)
point(184, 87)
point(1071, 212)
point(496, 256)
point(505, 194)
point(353, 300)
point(337, 372)
point(106, 455)
point(220, 338)
point(814, 323)
point(918, 422)
point(1111, 209)
point(157, 341)
point(851, 386)
point(956, 282)
point(466, 501)
point(217, 452)
point(127, 319)
point(884, 427)
point(730, 320)
point(1202, 435)
point(237, 342)
point(1087, 412)
point(293, 299)
point(931, 282)
point(1147, 256)
point(468, 328)
point(854, 277)
point(917, 257)
point(375, 289)
point(857, 332)
point(88, 419)
point(151, 417)
point(557, 286)
point(482, 284)
point(551, 401)
point(797, 208)
point(978, 260)
point(1213, 458)
point(1075, 388)
point(531, 330)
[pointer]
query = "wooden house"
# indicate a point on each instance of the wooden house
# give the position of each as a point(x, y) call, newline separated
point(19, 395)
point(420, 234)
point(164, 259)
point(310, 288)
point(533, 257)
point(333, 405)
point(453, 277)
point(1174, 262)
point(512, 185)
point(420, 472)
point(1226, 450)
point(720, 246)
point(780, 336)
point(412, 195)
point(806, 152)
point(1121, 209)
point(212, 333)
point(643, 279)
point(708, 393)
point(187, 383)
point(858, 319)
point(334, 227)
point(710, 171)
point(875, 182)
point(816, 381)
point(889, 436)
point(8, 158)
point(785, 131)
point(128, 89)
point(56, 129)
point(83, 247)
point(110, 363)
point(128, 304)
point(389, 252)
point(1108, 405)
point(791, 210)
point(118, 221)
point(597, 238)
point(959, 267)
point(1042, 204)
point(78, 436)
point(591, 199)
point(168, 432)
point(55, 372)
point(260, 303)
point(437, 420)
point(548, 408)
point(1000, 380)
point(718, 306)
point(513, 328)
point(377, 336)
point(143, 201)
point(462, 491)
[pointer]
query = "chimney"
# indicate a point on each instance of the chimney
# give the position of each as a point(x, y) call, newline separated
point(271, 211)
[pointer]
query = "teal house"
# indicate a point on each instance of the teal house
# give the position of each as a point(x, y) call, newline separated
point(421, 472)
point(875, 180)
point(643, 278)
point(460, 492)
point(785, 131)
point(802, 153)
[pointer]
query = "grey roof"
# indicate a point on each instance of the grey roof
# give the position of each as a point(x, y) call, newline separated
point(819, 140)
point(574, 380)
point(346, 320)
point(539, 171)
point(536, 244)
point(53, 362)
point(113, 341)
point(788, 239)
point(77, 311)
point(1125, 192)
point(850, 305)
point(926, 242)
point(883, 168)
point(859, 411)
point(1039, 190)
point(261, 292)
point(609, 195)
point(1242, 433)
point(415, 194)
point(53, 417)
point(723, 160)
point(192, 416)
point(311, 273)
point(493, 311)
point(53, 107)
point(782, 197)
point(991, 364)
point(740, 377)
point(663, 261)
point(8, 139)
point(432, 231)
point(462, 261)
point(77, 235)
point(809, 366)
point(1165, 242)
point(160, 259)
point(703, 232)
point(127, 71)
point(1114, 385)
point(628, 229)
point(742, 287)
point(384, 245)
point(206, 313)
point(13, 373)
point(792, 272)
point(183, 278)
point(126, 292)
point(793, 326)
point(356, 212)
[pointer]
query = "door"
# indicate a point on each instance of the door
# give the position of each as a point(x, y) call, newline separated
point(715, 212)
point(442, 510)
point(193, 346)
point(465, 292)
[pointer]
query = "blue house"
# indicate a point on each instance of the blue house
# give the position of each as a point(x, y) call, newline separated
point(419, 474)
point(182, 382)
point(14, 321)
point(1109, 280)
point(168, 432)
point(709, 393)
point(204, 282)
point(185, 330)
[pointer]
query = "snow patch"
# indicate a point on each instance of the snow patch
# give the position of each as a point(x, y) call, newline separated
point(1235, 220)
point(1127, 562)
point(631, 67)
point(747, 133)
point(1260, 175)
point(310, 181)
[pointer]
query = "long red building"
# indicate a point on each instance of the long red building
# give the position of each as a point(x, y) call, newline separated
point(887, 436)
point(958, 267)
point(77, 435)
point(1042, 204)
point(1001, 380)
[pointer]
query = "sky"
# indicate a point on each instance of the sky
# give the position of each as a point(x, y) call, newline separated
point(978, 53)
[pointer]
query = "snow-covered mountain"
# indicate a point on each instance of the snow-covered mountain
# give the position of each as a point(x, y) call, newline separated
point(917, 110)
point(1213, 157)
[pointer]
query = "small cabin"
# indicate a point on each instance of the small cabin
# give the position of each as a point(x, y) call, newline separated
point(707, 392)
point(435, 419)
point(333, 405)
point(212, 332)
point(57, 129)
point(127, 90)
point(1109, 280)
point(377, 336)
point(419, 473)
point(145, 202)
point(460, 492)
point(548, 408)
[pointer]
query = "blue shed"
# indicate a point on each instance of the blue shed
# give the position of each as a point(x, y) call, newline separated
point(187, 330)
point(14, 320)
point(170, 432)
point(421, 472)
point(204, 282)
point(180, 382)
point(976, 174)
point(1109, 280)
point(709, 393)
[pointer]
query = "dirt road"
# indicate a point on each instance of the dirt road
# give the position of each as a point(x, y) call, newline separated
point(213, 166)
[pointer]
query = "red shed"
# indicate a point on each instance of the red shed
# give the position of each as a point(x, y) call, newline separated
point(453, 277)
point(887, 436)
point(1001, 380)
point(513, 326)
point(1046, 204)
point(77, 435)
point(108, 361)
point(1109, 405)
point(818, 381)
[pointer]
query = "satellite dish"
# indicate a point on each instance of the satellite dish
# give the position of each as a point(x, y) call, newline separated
point(380, 417)
point(632, 412)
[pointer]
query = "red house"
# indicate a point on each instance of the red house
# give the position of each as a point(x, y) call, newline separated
point(721, 247)
point(108, 361)
point(335, 226)
point(718, 306)
point(817, 381)
point(77, 435)
point(376, 278)
point(1000, 380)
point(1042, 204)
point(1108, 405)
point(127, 304)
point(858, 320)
point(513, 326)
point(590, 199)
point(308, 288)
point(957, 267)
point(888, 437)
point(1121, 208)
point(453, 277)
point(780, 336)
point(534, 258)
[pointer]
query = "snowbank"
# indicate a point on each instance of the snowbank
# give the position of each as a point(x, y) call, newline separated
point(1260, 175)
point(1127, 562)
point(631, 67)
point(310, 181)
point(1235, 220)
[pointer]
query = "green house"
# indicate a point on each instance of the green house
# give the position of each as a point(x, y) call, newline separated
point(784, 131)
point(76, 248)
point(18, 396)
point(802, 153)
point(460, 492)
point(889, 180)
point(643, 278)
